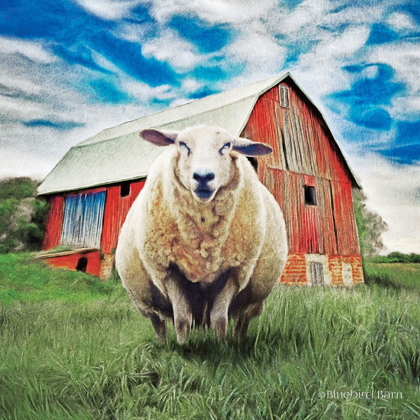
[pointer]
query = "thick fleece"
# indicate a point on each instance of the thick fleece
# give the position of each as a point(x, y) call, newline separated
point(238, 237)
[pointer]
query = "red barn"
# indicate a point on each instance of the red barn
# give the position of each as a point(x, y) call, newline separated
point(92, 188)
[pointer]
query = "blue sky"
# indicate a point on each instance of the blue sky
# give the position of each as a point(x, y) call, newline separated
point(68, 69)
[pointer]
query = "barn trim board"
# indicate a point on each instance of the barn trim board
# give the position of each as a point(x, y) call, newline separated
point(92, 188)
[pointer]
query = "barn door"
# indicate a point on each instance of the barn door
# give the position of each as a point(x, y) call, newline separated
point(317, 274)
point(347, 274)
point(83, 220)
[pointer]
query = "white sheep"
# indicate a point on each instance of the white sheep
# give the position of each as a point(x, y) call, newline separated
point(204, 240)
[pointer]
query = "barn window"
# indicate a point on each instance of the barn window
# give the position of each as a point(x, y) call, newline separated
point(125, 189)
point(284, 96)
point(310, 195)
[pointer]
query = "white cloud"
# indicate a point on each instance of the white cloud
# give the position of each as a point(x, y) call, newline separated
point(212, 11)
point(406, 107)
point(394, 193)
point(258, 49)
point(404, 57)
point(22, 109)
point(320, 72)
point(17, 162)
point(402, 22)
point(108, 9)
point(35, 51)
point(146, 93)
point(169, 47)
point(190, 85)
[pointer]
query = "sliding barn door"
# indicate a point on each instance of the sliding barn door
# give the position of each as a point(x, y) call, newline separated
point(83, 220)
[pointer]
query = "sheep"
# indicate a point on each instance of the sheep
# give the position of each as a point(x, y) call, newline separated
point(205, 240)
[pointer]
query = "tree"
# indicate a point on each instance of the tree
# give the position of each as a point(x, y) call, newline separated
point(370, 226)
point(22, 216)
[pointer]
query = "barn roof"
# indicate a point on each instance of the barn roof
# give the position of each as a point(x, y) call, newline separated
point(116, 154)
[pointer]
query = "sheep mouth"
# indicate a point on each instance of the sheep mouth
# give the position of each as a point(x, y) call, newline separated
point(203, 193)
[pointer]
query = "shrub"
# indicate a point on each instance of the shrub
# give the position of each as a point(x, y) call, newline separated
point(22, 216)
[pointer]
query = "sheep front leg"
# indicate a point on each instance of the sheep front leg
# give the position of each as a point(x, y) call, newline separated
point(219, 312)
point(181, 309)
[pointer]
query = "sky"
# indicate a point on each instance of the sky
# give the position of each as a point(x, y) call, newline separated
point(70, 68)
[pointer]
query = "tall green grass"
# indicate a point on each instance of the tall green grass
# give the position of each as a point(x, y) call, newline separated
point(394, 275)
point(97, 359)
point(27, 280)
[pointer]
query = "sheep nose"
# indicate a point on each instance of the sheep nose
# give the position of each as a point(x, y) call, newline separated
point(199, 177)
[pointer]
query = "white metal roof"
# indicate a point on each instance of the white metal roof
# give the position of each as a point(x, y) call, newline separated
point(117, 154)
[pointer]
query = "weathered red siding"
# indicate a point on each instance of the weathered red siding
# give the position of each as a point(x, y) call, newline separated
point(304, 153)
point(116, 209)
point(301, 141)
point(54, 222)
point(115, 212)
point(70, 262)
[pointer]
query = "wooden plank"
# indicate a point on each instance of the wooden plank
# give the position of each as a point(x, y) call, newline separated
point(345, 224)
point(116, 210)
point(299, 137)
point(83, 219)
point(71, 262)
point(54, 222)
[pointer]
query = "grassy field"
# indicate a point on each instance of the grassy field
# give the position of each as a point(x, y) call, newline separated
point(73, 347)
point(394, 275)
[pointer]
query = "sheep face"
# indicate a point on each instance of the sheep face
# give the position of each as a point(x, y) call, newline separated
point(205, 157)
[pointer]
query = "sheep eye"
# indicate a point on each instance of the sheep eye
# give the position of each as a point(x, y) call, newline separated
point(182, 144)
point(223, 150)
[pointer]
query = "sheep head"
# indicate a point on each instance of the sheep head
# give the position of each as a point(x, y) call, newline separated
point(205, 156)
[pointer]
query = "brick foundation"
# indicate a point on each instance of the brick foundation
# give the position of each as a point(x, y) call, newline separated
point(338, 270)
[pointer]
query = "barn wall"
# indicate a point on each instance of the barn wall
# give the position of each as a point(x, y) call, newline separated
point(116, 209)
point(54, 222)
point(55, 216)
point(298, 135)
point(326, 228)
point(114, 214)
point(70, 262)
point(304, 153)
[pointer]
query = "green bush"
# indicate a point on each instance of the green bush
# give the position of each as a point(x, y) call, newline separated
point(17, 188)
point(396, 257)
point(22, 216)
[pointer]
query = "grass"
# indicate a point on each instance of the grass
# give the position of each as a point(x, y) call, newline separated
point(395, 275)
point(24, 280)
point(96, 358)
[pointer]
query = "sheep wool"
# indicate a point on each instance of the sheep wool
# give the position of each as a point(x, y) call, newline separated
point(195, 259)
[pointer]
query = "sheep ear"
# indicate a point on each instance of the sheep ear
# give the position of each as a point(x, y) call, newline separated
point(250, 148)
point(159, 138)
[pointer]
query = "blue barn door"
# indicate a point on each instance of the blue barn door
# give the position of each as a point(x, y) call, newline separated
point(83, 220)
